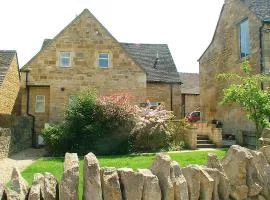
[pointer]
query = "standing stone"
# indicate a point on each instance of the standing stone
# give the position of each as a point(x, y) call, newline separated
point(206, 185)
point(70, 179)
point(110, 184)
point(19, 187)
point(235, 164)
point(37, 187)
point(132, 184)
point(179, 182)
point(224, 187)
point(50, 191)
point(258, 175)
point(2, 192)
point(215, 175)
point(192, 175)
point(266, 152)
point(91, 178)
point(161, 168)
point(151, 188)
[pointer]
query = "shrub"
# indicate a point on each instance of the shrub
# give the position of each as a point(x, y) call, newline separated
point(151, 132)
point(100, 125)
point(178, 129)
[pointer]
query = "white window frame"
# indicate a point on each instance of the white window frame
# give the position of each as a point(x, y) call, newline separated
point(70, 99)
point(40, 101)
point(240, 38)
point(104, 59)
point(64, 56)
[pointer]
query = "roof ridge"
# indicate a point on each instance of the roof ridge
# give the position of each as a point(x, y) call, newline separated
point(143, 43)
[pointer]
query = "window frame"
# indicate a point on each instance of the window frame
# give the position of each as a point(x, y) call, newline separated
point(39, 101)
point(60, 59)
point(70, 99)
point(98, 59)
point(246, 20)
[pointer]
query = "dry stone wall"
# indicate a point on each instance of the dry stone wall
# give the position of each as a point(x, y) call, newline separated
point(242, 174)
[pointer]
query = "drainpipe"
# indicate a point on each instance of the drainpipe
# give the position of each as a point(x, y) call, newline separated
point(171, 88)
point(34, 139)
point(261, 52)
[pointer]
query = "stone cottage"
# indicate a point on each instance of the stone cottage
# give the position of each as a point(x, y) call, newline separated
point(9, 81)
point(242, 33)
point(190, 92)
point(85, 55)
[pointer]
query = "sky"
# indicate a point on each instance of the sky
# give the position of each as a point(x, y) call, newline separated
point(186, 26)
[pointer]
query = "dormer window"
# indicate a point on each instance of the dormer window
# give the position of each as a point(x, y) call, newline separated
point(65, 59)
point(244, 39)
point(103, 60)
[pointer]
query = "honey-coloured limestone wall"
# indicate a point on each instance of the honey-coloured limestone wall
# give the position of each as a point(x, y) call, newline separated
point(10, 88)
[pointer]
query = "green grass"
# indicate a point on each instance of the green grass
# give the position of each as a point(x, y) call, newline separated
point(55, 165)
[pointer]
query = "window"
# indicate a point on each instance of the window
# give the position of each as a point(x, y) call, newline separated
point(40, 104)
point(244, 39)
point(71, 99)
point(103, 60)
point(65, 59)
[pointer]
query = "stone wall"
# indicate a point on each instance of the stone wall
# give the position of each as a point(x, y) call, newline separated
point(223, 56)
point(168, 94)
point(242, 174)
point(192, 103)
point(15, 134)
point(10, 88)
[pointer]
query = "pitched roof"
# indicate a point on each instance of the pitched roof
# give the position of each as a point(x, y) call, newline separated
point(191, 83)
point(6, 57)
point(161, 70)
point(260, 7)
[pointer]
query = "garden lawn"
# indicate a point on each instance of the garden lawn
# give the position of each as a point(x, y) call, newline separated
point(55, 165)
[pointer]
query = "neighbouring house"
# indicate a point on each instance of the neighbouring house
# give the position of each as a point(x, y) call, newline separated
point(9, 82)
point(242, 33)
point(190, 92)
point(85, 55)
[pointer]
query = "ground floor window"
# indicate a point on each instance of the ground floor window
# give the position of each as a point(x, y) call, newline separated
point(40, 103)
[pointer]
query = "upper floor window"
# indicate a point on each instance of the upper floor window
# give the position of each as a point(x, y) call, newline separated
point(103, 60)
point(65, 59)
point(40, 104)
point(244, 39)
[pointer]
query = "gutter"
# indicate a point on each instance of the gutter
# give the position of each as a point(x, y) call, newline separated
point(34, 139)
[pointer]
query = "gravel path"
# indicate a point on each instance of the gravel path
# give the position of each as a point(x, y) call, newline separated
point(20, 160)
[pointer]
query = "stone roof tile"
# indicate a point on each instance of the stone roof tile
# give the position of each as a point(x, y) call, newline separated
point(6, 57)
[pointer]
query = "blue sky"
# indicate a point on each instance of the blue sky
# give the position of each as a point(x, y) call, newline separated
point(186, 26)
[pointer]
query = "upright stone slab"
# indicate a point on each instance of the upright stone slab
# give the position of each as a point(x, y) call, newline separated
point(51, 191)
point(266, 152)
point(151, 188)
point(2, 192)
point(132, 184)
point(179, 182)
point(110, 184)
point(19, 187)
point(37, 187)
point(235, 164)
point(161, 168)
point(70, 179)
point(206, 185)
point(91, 178)
point(192, 175)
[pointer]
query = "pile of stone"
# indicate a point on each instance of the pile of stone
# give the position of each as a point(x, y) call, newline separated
point(242, 175)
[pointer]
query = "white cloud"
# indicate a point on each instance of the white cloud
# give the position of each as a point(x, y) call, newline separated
point(187, 26)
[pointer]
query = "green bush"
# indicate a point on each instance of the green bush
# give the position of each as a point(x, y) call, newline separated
point(101, 125)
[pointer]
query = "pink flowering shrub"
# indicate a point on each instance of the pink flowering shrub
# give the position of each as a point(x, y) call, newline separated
point(151, 131)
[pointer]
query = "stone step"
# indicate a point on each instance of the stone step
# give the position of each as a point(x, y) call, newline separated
point(201, 146)
point(202, 137)
point(204, 142)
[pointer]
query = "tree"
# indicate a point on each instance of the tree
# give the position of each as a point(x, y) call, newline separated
point(247, 92)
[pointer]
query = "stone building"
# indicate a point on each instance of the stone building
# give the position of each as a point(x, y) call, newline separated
point(9, 82)
point(242, 33)
point(190, 92)
point(85, 55)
